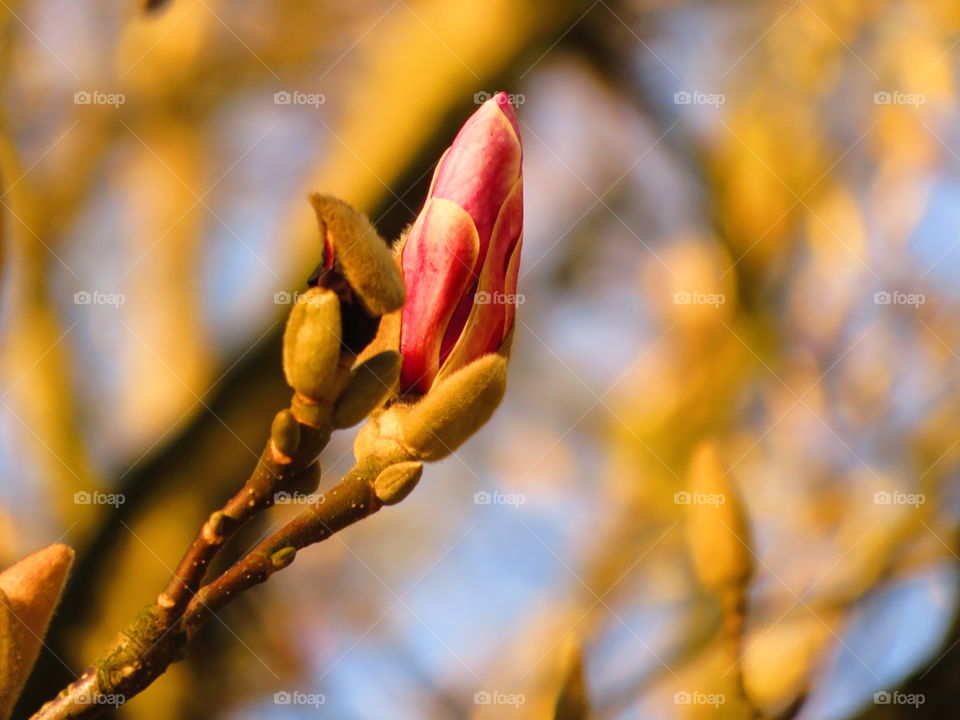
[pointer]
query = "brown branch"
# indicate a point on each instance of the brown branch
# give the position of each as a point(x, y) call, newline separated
point(143, 651)
point(272, 474)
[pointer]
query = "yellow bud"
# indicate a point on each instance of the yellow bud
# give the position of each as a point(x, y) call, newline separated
point(30, 592)
point(397, 481)
point(311, 343)
point(285, 433)
point(370, 383)
point(360, 255)
point(283, 557)
point(717, 527)
point(455, 408)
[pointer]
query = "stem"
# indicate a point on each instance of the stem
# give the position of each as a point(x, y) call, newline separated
point(143, 651)
point(269, 476)
point(352, 499)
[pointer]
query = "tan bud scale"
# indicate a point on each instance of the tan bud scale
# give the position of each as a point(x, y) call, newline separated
point(360, 254)
point(311, 343)
point(455, 408)
point(370, 383)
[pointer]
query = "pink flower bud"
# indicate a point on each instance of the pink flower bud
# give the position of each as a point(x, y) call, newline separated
point(462, 255)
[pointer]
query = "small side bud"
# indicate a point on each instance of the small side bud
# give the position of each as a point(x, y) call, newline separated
point(214, 527)
point(285, 435)
point(455, 408)
point(281, 558)
point(311, 343)
point(397, 481)
point(369, 385)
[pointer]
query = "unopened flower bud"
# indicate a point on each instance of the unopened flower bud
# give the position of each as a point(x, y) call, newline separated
point(455, 408)
point(285, 434)
point(717, 528)
point(311, 343)
point(461, 258)
point(29, 593)
point(370, 383)
point(354, 249)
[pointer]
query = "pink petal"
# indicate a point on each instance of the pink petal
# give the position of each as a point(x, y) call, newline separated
point(438, 260)
point(482, 165)
point(486, 324)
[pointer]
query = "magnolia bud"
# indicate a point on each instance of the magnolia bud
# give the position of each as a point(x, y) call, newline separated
point(311, 343)
point(397, 481)
point(717, 528)
point(355, 250)
point(461, 257)
point(285, 434)
point(455, 408)
point(29, 593)
point(370, 383)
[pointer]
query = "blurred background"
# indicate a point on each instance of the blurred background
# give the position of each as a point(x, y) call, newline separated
point(741, 224)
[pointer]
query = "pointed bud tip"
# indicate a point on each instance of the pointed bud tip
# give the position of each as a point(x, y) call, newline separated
point(502, 101)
